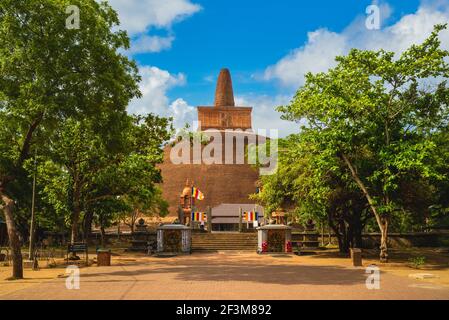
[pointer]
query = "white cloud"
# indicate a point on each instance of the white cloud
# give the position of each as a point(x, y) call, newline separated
point(156, 83)
point(138, 17)
point(146, 43)
point(182, 113)
point(264, 114)
point(322, 46)
point(154, 87)
point(316, 56)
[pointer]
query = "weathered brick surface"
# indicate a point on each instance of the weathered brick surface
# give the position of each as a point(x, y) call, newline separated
point(220, 183)
point(224, 95)
point(232, 183)
point(224, 117)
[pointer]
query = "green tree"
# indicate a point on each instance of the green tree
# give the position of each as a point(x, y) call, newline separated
point(373, 114)
point(306, 183)
point(132, 174)
point(49, 73)
point(102, 173)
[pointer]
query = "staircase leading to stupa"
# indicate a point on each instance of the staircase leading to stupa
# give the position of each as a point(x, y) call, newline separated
point(224, 241)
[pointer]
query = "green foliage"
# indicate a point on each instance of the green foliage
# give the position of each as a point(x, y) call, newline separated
point(372, 109)
point(63, 97)
point(417, 262)
point(113, 173)
point(187, 134)
point(49, 73)
point(375, 136)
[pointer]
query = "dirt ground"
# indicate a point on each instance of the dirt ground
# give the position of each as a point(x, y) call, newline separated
point(436, 263)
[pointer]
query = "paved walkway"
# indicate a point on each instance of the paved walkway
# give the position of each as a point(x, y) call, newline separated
point(229, 276)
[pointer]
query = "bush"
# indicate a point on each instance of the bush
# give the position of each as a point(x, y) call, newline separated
point(417, 262)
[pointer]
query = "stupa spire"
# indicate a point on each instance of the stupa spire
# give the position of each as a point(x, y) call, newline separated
point(224, 94)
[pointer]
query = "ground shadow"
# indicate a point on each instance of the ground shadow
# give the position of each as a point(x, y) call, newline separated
point(434, 259)
point(283, 274)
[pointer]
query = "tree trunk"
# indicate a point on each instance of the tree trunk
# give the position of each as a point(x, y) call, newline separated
point(87, 225)
point(75, 219)
point(384, 241)
point(134, 217)
point(345, 237)
point(103, 236)
point(357, 232)
point(8, 204)
point(322, 234)
point(340, 237)
point(350, 234)
point(14, 241)
point(354, 226)
point(76, 213)
point(358, 241)
point(381, 221)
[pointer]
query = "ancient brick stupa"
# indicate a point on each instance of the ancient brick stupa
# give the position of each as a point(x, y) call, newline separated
point(224, 114)
point(220, 183)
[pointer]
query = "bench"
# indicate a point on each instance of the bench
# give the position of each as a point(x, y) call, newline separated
point(78, 247)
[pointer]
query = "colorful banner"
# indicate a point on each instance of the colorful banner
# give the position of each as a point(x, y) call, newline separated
point(250, 216)
point(199, 216)
point(197, 194)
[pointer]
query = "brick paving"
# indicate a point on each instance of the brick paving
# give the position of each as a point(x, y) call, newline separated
point(223, 276)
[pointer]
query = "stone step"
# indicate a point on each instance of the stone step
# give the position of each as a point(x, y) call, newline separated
point(224, 241)
point(231, 240)
point(225, 234)
point(220, 242)
point(222, 249)
point(224, 238)
point(227, 242)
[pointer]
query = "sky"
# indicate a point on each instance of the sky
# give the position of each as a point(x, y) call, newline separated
point(181, 45)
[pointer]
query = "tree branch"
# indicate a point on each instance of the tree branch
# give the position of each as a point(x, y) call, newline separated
point(27, 142)
point(362, 187)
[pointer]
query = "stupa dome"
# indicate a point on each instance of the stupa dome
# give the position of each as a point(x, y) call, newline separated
point(220, 183)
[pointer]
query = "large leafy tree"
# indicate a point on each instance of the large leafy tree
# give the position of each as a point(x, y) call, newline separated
point(101, 175)
point(130, 178)
point(81, 153)
point(49, 73)
point(307, 184)
point(374, 114)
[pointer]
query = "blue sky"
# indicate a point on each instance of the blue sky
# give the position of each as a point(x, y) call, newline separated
point(180, 46)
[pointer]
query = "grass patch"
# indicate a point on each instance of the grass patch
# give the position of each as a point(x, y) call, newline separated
point(417, 262)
